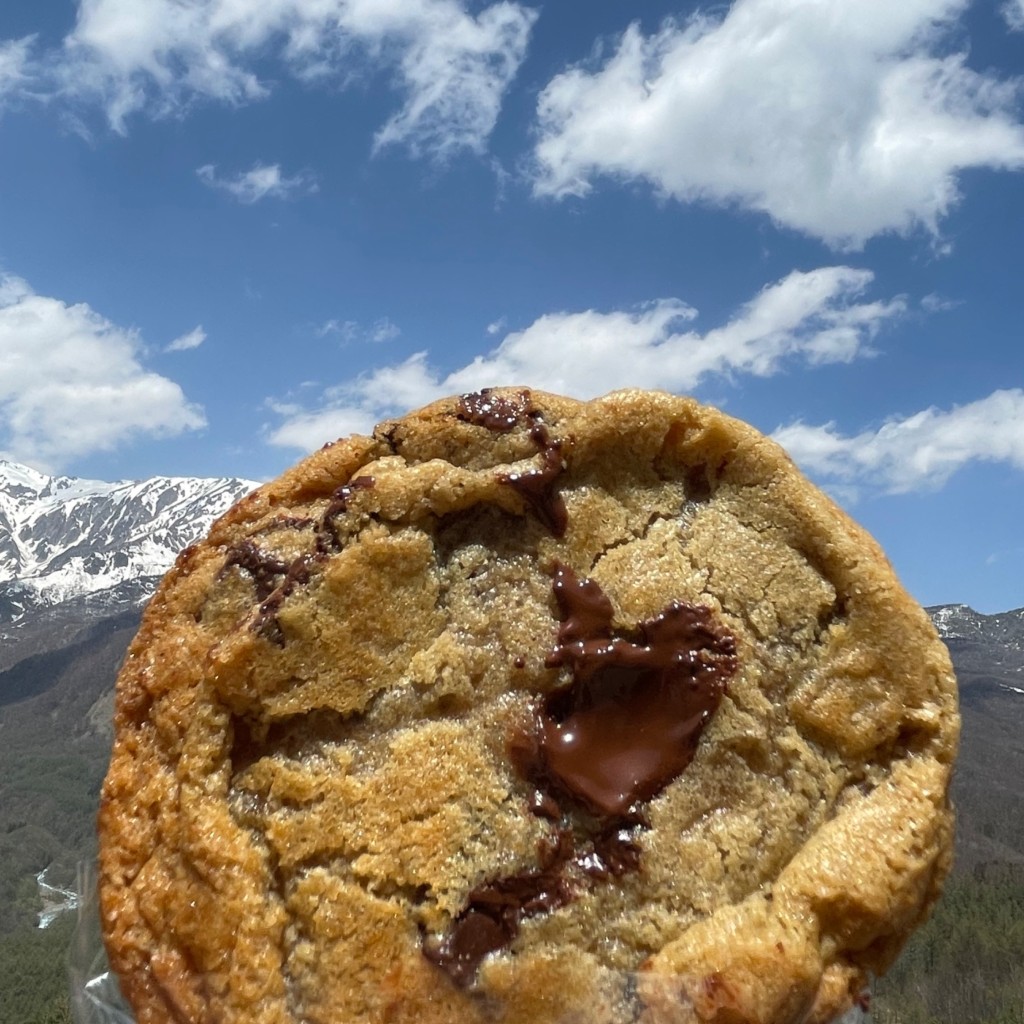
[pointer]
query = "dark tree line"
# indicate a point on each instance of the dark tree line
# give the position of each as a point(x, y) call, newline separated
point(966, 966)
point(34, 974)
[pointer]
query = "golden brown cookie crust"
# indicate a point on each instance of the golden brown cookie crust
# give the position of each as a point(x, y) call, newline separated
point(311, 773)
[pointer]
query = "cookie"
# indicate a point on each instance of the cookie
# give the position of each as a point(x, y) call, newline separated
point(532, 710)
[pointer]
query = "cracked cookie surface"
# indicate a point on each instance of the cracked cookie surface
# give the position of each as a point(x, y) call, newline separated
point(531, 710)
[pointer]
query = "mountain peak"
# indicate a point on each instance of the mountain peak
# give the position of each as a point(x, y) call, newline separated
point(65, 537)
point(19, 480)
point(959, 623)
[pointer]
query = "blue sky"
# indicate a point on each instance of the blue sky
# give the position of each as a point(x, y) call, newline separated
point(231, 230)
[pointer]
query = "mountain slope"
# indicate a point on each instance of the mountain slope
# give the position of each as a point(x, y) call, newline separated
point(78, 558)
point(55, 734)
point(988, 655)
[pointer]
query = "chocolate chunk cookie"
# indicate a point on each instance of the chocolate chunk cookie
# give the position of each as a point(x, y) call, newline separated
point(527, 710)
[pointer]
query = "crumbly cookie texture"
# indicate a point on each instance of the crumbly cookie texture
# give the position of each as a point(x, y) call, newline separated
point(532, 710)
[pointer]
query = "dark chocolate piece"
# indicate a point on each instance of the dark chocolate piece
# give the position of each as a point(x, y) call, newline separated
point(461, 951)
point(626, 726)
point(299, 572)
point(616, 853)
point(499, 413)
point(537, 485)
point(631, 719)
point(494, 910)
point(285, 523)
point(328, 538)
point(265, 569)
point(275, 579)
point(491, 918)
point(545, 806)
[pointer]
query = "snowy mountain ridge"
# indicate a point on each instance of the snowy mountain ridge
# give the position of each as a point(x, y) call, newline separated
point(64, 537)
point(960, 622)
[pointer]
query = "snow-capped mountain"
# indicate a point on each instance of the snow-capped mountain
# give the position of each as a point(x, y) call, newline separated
point(961, 626)
point(961, 622)
point(990, 643)
point(64, 538)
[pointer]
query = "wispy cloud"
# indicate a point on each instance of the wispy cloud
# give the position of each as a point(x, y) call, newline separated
point(1005, 555)
point(14, 65)
point(814, 317)
point(935, 303)
point(1013, 11)
point(840, 120)
point(193, 339)
point(352, 331)
point(451, 66)
point(261, 181)
point(72, 383)
point(919, 452)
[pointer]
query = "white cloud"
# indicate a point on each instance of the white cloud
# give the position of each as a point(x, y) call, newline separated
point(193, 339)
point(383, 330)
point(817, 317)
point(301, 429)
point(71, 382)
point(919, 452)
point(842, 120)
point(451, 66)
point(259, 182)
point(351, 330)
point(935, 303)
point(1013, 11)
point(456, 69)
point(14, 64)
point(345, 329)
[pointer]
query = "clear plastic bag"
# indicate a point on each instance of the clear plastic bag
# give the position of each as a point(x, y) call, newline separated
point(95, 994)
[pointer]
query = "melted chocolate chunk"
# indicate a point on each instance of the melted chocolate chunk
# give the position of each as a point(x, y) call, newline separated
point(537, 486)
point(328, 538)
point(491, 919)
point(342, 496)
point(626, 726)
point(265, 622)
point(616, 853)
point(473, 935)
point(631, 719)
point(545, 806)
point(274, 579)
point(494, 910)
point(495, 412)
point(265, 570)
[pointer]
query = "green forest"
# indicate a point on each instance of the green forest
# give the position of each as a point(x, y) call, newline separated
point(966, 966)
point(34, 974)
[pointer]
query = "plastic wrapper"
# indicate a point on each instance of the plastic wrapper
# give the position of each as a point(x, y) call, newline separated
point(95, 994)
point(96, 997)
